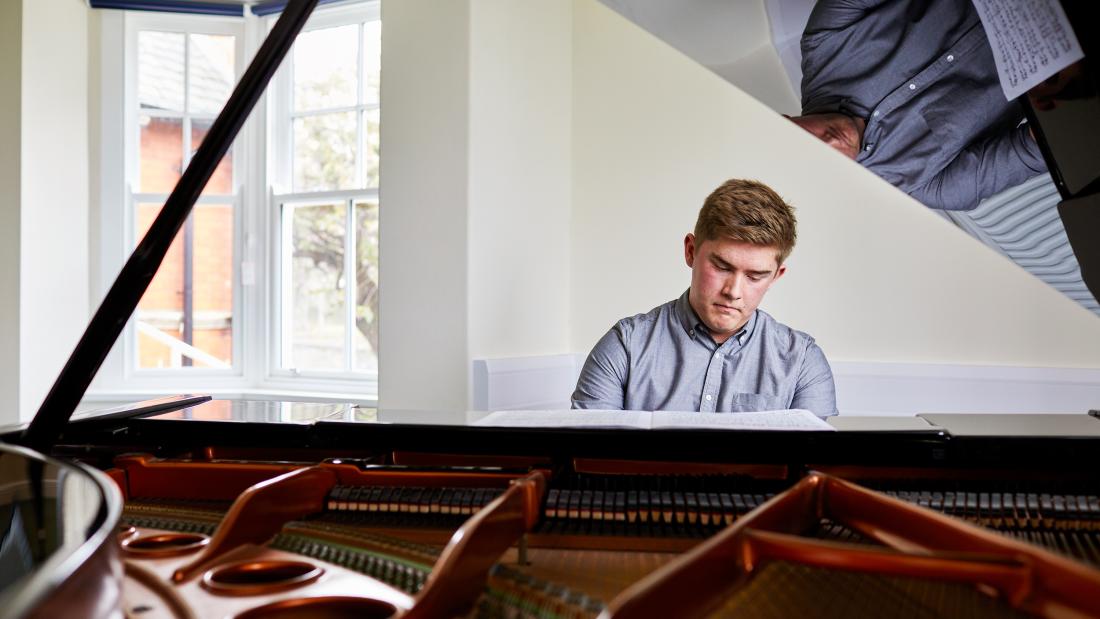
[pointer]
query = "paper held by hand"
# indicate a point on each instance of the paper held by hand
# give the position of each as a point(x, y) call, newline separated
point(1031, 41)
point(784, 420)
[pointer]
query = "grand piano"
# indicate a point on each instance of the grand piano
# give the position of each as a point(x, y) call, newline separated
point(189, 506)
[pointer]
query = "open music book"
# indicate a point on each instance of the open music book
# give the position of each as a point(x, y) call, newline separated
point(793, 419)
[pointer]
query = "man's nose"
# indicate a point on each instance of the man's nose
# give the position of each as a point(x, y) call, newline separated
point(733, 286)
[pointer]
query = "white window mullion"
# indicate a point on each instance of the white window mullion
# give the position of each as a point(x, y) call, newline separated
point(286, 270)
point(130, 335)
point(185, 143)
point(318, 197)
point(323, 111)
point(360, 120)
point(185, 126)
point(238, 306)
point(349, 285)
point(207, 198)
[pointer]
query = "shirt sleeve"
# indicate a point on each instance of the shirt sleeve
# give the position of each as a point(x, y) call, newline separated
point(983, 169)
point(815, 390)
point(602, 383)
point(837, 14)
point(824, 44)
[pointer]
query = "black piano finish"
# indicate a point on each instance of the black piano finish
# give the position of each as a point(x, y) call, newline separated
point(145, 430)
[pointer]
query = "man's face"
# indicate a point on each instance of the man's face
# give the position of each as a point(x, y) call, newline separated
point(728, 281)
point(842, 132)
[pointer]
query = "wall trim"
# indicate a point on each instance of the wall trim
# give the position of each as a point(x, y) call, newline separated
point(524, 383)
point(863, 388)
point(879, 388)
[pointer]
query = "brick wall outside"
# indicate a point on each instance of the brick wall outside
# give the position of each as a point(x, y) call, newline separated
point(212, 282)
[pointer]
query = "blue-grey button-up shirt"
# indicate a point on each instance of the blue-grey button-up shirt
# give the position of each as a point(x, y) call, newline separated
point(921, 74)
point(667, 360)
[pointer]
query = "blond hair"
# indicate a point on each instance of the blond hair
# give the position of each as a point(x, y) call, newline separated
point(747, 211)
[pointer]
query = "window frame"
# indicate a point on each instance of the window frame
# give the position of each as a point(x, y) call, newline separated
point(256, 257)
point(135, 22)
point(280, 195)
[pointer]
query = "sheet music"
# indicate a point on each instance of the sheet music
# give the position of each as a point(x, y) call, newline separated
point(1031, 40)
point(792, 419)
point(795, 419)
point(568, 419)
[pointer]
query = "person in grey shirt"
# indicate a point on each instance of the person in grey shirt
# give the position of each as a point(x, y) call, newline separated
point(909, 89)
point(712, 350)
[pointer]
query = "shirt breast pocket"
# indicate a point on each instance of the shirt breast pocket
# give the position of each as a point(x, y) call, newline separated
point(752, 402)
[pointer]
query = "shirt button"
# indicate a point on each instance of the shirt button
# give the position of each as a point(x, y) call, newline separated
point(692, 333)
point(867, 148)
point(717, 355)
point(950, 58)
point(875, 113)
point(912, 86)
point(708, 397)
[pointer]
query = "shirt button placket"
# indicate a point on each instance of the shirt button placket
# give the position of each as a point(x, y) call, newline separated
point(714, 381)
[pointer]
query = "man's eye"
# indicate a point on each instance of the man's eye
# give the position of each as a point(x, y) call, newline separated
point(756, 278)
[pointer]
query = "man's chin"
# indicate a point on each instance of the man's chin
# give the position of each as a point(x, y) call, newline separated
point(725, 323)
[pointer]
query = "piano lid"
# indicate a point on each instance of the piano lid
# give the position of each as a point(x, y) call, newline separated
point(1017, 221)
point(134, 278)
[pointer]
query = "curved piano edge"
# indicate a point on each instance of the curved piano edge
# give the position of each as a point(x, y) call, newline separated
point(89, 577)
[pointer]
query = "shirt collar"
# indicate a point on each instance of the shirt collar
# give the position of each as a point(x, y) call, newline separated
point(689, 320)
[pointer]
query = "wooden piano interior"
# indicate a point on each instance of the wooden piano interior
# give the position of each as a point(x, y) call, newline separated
point(211, 532)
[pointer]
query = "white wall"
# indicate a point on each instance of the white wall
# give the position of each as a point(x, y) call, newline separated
point(11, 64)
point(476, 190)
point(54, 268)
point(423, 245)
point(520, 177)
point(875, 275)
point(98, 142)
point(44, 185)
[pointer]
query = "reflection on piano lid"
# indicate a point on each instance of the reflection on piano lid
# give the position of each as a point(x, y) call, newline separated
point(1066, 111)
point(258, 411)
point(1065, 114)
point(1081, 217)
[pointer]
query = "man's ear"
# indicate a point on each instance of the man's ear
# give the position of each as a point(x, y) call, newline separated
point(689, 250)
point(779, 272)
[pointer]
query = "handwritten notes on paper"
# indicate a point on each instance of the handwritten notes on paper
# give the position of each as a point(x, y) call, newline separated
point(794, 419)
point(1031, 40)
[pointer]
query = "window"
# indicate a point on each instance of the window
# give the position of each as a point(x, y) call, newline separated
point(325, 123)
point(185, 72)
point(273, 282)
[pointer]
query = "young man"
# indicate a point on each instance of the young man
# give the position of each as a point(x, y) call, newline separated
point(711, 350)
